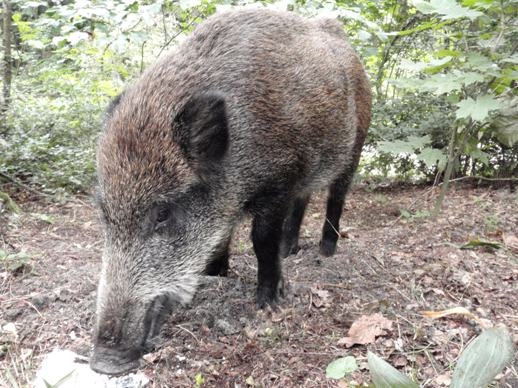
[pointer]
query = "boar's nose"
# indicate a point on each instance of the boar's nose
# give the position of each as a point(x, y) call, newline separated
point(114, 361)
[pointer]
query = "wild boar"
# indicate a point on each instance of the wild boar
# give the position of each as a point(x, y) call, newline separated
point(250, 115)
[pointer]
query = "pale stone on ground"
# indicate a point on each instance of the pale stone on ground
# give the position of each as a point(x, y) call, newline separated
point(73, 371)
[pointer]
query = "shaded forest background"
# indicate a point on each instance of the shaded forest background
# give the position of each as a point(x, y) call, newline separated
point(444, 75)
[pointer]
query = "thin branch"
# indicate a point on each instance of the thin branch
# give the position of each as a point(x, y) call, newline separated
point(177, 35)
point(478, 177)
point(24, 186)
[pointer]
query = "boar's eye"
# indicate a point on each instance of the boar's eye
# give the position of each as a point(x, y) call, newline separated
point(162, 215)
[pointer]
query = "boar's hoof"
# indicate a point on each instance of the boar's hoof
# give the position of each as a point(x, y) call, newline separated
point(327, 247)
point(114, 362)
point(287, 249)
point(269, 294)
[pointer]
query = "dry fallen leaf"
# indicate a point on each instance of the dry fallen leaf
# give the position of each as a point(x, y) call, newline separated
point(484, 323)
point(511, 242)
point(445, 313)
point(365, 330)
point(320, 298)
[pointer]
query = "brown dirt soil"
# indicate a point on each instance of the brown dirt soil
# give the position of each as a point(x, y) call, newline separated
point(389, 262)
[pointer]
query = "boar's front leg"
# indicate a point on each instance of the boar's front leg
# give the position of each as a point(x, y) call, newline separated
point(266, 237)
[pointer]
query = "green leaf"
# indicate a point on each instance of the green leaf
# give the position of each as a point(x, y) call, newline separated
point(199, 380)
point(385, 375)
point(14, 262)
point(469, 77)
point(512, 59)
point(434, 64)
point(408, 146)
point(480, 243)
point(341, 367)
point(8, 202)
point(44, 217)
point(441, 83)
point(432, 157)
point(506, 125)
point(479, 62)
point(477, 109)
point(478, 154)
point(448, 9)
point(483, 359)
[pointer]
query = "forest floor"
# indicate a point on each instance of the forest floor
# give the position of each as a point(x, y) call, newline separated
point(392, 262)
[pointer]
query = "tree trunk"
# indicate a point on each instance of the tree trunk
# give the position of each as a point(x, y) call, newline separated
point(7, 73)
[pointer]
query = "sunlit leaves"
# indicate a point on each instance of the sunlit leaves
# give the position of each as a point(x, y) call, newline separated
point(441, 83)
point(432, 157)
point(477, 109)
point(434, 64)
point(447, 9)
point(418, 147)
point(506, 124)
point(404, 146)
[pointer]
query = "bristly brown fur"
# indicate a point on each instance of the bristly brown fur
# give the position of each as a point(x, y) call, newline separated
point(252, 113)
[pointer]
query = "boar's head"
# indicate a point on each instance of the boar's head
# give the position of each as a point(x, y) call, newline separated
point(159, 175)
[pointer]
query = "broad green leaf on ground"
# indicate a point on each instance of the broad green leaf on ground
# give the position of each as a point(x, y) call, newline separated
point(480, 243)
point(483, 359)
point(7, 202)
point(341, 367)
point(477, 109)
point(448, 9)
point(14, 262)
point(385, 375)
point(44, 217)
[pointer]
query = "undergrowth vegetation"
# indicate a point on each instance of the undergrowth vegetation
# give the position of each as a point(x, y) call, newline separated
point(444, 73)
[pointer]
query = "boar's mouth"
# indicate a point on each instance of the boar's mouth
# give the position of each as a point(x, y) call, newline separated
point(114, 362)
point(118, 359)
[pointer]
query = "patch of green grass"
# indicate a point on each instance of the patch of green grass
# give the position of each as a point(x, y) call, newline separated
point(14, 262)
point(409, 216)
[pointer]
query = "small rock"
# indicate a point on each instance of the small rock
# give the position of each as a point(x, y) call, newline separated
point(9, 332)
point(12, 314)
point(225, 327)
point(62, 366)
point(40, 301)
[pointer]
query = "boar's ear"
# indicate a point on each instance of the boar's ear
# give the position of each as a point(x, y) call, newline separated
point(201, 129)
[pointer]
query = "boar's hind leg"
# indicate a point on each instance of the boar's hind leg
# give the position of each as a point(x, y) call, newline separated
point(290, 237)
point(266, 237)
point(218, 265)
point(335, 203)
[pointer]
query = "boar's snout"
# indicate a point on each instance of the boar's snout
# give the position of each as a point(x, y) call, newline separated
point(112, 361)
point(121, 341)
